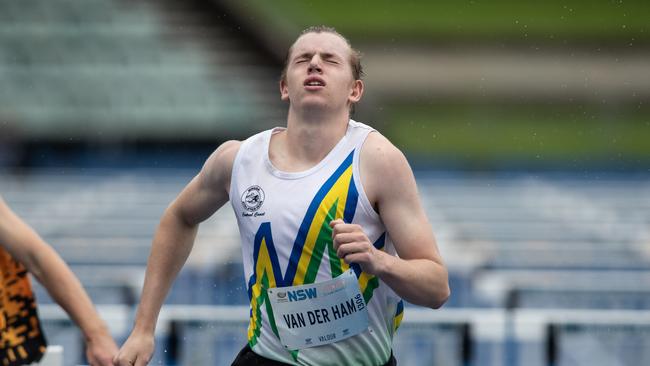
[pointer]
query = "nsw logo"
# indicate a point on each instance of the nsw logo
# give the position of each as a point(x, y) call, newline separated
point(302, 294)
point(252, 198)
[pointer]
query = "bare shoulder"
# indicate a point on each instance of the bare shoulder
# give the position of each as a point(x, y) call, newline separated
point(218, 167)
point(380, 151)
point(383, 166)
point(208, 191)
point(225, 153)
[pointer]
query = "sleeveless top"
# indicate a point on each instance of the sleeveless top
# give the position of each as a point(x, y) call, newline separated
point(21, 337)
point(286, 240)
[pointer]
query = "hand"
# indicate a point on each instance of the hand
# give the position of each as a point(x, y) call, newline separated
point(136, 351)
point(353, 246)
point(100, 349)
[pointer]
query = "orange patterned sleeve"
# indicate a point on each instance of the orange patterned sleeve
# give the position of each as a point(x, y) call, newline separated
point(21, 337)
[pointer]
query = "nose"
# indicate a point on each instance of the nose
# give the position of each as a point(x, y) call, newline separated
point(314, 65)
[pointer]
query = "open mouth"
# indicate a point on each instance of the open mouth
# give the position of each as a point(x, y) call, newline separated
point(314, 82)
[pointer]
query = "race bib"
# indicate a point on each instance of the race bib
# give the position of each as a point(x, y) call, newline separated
point(319, 313)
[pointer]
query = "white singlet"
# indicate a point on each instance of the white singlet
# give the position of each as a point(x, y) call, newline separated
point(286, 239)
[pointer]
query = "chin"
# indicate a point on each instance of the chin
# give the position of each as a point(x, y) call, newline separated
point(314, 105)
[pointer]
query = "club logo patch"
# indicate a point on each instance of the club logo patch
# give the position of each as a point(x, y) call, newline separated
point(253, 198)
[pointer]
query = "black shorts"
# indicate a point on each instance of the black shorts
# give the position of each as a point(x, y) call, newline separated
point(247, 357)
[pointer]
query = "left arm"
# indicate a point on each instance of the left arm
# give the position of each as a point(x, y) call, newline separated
point(27, 247)
point(418, 275)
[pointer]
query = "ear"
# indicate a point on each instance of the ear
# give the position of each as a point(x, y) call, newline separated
point(284, 92)
point(357, 92)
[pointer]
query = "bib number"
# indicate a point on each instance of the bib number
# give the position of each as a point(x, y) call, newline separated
point(319, 313)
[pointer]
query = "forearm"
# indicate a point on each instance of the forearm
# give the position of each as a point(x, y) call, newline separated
point(171, 246)
point(418, 281)
point(66, 290)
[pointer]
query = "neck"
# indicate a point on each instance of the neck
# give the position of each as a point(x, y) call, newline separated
point(312, 135)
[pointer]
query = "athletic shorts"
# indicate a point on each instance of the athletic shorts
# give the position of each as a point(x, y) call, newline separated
point(247, 357)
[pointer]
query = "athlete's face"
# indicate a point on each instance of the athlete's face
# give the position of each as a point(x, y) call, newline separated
point(319, 73)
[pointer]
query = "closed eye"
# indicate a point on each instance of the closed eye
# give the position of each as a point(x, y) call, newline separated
point(330, 58)
point(303, 57)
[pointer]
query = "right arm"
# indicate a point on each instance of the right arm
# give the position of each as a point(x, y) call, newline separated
point(172, 243)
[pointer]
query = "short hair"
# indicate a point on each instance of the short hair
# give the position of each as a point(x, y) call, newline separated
point(355, 55)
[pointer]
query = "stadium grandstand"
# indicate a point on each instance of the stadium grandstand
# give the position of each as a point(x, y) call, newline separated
point(528, 128)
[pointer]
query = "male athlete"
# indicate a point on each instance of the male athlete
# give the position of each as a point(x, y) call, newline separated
point(333, 232)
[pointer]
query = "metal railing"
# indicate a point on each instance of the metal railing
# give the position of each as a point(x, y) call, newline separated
point(212, 335)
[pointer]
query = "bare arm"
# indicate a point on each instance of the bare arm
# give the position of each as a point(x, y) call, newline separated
point(172, 243)
point(418, 275)
point(27, 247)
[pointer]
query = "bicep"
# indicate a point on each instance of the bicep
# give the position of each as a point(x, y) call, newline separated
point(198, 201)
point(393, 187)
point(406, 221)
point(20, 240)
point(208, 190)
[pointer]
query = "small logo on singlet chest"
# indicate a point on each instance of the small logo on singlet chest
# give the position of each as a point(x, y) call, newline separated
point(252, 199)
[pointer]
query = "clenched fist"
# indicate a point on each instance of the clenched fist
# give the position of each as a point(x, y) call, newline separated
point(353, 246)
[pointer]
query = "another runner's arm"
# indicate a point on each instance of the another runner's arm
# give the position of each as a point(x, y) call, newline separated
point(172, 243)
point(418, 275)
point(28, 248)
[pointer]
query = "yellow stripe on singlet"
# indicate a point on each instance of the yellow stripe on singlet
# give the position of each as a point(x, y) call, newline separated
point(337, 194)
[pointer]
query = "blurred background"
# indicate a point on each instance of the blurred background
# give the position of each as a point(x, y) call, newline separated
point(527, 125)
